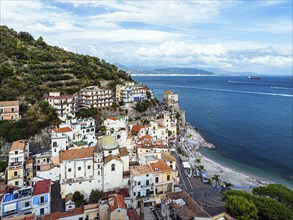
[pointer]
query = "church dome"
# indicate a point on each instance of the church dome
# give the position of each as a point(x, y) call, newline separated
point(108, 143)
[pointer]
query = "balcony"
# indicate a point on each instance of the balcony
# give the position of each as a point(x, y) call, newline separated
point(16, 177)
point(25, 208)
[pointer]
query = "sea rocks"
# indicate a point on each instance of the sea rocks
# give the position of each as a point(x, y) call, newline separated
point(192, 135)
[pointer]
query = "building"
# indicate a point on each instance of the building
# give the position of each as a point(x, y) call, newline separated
point(18, 154)
point(171, 100)
point(130, 92)
point(113, 207)
point(41, 199)
point(163, 181)
point(179, 205)
point(104, 167)
point(116, 122)
point(93, 97)
point(171, 162)
point(141, 185)
point(9, 110)
point(17, 202)
point(65, 105)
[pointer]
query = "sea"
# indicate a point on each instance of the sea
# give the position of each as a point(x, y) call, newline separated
point(249, 120)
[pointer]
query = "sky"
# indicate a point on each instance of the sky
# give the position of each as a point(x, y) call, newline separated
point(231, 35)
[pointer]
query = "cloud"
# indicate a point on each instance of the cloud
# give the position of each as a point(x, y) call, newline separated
point(159, 33)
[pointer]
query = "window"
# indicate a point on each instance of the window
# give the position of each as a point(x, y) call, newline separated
point(171, 166)
point(69, 169)
point(110, 151)
point(26, 204)
point(42, 211)
point(134, 194)
point(168, 177)
point(147, 175)
point(44, 160)
point(113, 167)
point(15, 152)
point(147, 182)
point(88, 167)
point(138, 183)
point(79, 168)
point(15, 173)
point(39, 161)
point(11, 117)
point(138, 194)
point(98, 166)
point(48, 160)
point(54, 144)
point(98, 173)
point(42, 199)
point(16, 183)
point(157, 179)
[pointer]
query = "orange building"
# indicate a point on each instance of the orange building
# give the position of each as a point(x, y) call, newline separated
point(9, 110)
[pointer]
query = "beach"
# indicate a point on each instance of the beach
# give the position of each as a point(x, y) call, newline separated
point(194, 141)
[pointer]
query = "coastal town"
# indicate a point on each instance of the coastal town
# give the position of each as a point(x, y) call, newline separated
point(146, 167)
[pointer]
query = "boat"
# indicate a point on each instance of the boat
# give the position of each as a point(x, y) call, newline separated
point(253, 77)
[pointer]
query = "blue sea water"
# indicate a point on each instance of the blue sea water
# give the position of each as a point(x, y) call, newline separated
point(250, 121)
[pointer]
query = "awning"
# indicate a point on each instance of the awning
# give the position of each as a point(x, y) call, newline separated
point(10, 207)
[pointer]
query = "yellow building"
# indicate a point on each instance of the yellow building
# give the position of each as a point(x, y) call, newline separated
point(15, 175)
point(163, 175)
point(171, 161)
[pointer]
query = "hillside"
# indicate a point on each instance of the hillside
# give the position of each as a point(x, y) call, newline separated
point(30, 68)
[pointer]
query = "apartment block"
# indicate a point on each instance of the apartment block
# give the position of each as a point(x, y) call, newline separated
point(9, 110)
point(94, 97)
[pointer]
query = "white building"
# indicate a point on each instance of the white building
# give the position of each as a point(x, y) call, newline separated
point(65, 105)
point(94, 97)
point(171, 100)
point(142, 186)
point(103, 167)
point(116, 122)
point(130, 92)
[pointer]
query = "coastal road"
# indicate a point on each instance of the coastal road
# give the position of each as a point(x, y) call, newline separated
point(187, 185)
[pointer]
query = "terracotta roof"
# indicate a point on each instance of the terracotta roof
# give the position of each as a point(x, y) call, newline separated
point(138, 170)
point(136, 128)
point(188, 211)
point(116, 201)
point(148, 137)
point(91, 206)
point(112, 118)
point(132, 214)
point(62, 130)
point(76, 153)
point(111, 157)
point(42, 187)
point(29, 161)
point(18, 145)
point(58, 215)
point(120, 191)
point(9, 103)
point(160, 166)
point(168, 157)
point(22, 217)
point(123, 151)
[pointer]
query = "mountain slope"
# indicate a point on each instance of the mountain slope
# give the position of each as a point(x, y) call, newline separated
point(30, 68)
point(185, 71)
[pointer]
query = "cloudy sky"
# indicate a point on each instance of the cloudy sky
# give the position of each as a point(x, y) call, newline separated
point(231, 35)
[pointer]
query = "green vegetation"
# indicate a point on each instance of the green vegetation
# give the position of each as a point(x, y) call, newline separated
point(278, 192)
point(267, 208)
point(217, 180)
point(87, 112)
point(37, 117)
point(142, 106)
point(3, 165)
point(95, 196)
point(31, 68)
point(78, 198)
point(241, 208)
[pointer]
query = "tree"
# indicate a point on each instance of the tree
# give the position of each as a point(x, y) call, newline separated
point(227, 185)
point(217, 179)
point(241, 208)
point(95, 196)
point(198, 161)
point(77, 198)
point(278, 192)
point(170, 133)
point(3, 165)
point(201, 168)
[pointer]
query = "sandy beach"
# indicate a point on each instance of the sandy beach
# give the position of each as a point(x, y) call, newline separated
point(196, 140)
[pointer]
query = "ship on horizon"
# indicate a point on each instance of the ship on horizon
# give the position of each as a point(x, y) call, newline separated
point(253, 77)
